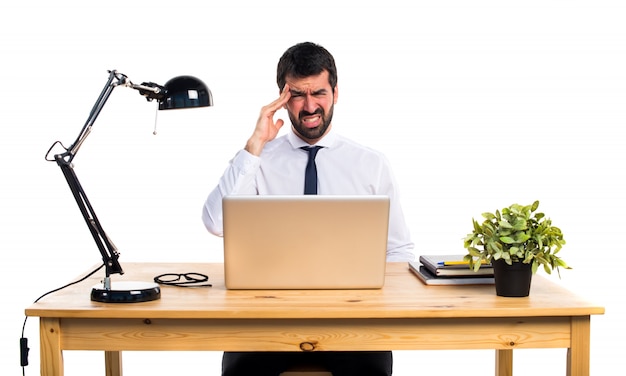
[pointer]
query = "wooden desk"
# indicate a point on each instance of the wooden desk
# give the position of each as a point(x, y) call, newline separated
point(404, 315)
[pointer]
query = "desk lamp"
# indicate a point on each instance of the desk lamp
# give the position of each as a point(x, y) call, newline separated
point(179, 92)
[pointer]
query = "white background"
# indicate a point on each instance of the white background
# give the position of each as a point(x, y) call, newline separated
point(478, 104)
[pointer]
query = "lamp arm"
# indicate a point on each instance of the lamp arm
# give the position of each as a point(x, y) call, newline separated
point(149, 90)
point(107, 249)
point(115, 79)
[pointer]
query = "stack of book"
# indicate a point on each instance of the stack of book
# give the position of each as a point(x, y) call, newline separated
point(450, 270)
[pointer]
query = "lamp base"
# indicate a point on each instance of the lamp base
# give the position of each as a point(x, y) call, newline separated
point(126, 292)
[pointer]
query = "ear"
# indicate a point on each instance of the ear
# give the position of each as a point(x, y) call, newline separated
point(335, 94)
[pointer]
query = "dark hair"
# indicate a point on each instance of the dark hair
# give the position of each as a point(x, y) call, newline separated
point(304, 60)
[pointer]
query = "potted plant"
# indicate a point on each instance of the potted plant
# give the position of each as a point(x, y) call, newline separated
point(516, 241)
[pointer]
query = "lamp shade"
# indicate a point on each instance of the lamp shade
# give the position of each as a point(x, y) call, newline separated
point(185, 92)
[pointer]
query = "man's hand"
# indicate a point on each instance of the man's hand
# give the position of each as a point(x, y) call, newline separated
point(266, 128)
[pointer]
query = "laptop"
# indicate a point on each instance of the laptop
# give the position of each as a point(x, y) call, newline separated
point(305, 241)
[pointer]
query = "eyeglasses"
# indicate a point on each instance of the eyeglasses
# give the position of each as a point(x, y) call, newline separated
point(183, 279)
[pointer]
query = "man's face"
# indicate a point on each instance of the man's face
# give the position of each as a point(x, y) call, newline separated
point(310, 107)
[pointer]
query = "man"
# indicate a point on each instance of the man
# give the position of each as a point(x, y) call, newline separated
point(307, 80)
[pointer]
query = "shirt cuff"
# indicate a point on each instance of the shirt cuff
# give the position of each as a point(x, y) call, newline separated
point(246, 162)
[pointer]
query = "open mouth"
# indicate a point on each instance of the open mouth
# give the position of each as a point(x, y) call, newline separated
point(311, 121)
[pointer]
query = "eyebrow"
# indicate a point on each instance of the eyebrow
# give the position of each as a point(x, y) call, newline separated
point(316, 92)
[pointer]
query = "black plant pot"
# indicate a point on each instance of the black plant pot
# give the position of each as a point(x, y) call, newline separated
point(512, 280)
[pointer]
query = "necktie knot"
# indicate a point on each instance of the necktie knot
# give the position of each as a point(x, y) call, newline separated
point(312, 150)
point(310, 174)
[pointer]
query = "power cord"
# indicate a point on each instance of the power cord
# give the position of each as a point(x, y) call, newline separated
point(171, 279)
point(23, 340)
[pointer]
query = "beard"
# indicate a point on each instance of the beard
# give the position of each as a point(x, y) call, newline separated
point(312, 133)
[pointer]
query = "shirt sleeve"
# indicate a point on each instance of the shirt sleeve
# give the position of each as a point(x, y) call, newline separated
point(238, 178)
point(399, 244)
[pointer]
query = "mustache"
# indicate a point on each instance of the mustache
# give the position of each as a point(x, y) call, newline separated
point(303, 113)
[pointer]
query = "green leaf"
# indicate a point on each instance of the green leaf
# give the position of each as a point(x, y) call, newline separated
point(488, 229)
point(534, 206)
point(520, 224)
point(505, 224)
point(477, 227)
point(489, 216)
point(507, 240)
point(474, 252)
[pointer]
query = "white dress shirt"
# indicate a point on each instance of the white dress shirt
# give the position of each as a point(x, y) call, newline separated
point(343, 167)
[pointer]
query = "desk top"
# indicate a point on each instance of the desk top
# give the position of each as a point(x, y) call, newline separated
point(403, 296)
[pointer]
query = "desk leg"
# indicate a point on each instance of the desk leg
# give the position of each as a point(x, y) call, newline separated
point(51, 355)
point(578, 352)
point(113, 363)
point(504, 362)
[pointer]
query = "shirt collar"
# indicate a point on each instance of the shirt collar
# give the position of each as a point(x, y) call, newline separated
point(296, 142)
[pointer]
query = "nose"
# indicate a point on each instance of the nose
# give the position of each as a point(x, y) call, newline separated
point(310, 105)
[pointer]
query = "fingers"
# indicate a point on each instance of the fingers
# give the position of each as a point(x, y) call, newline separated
point(266, 128)
point(285, 95)
point(269, 110)
point(279, 103)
